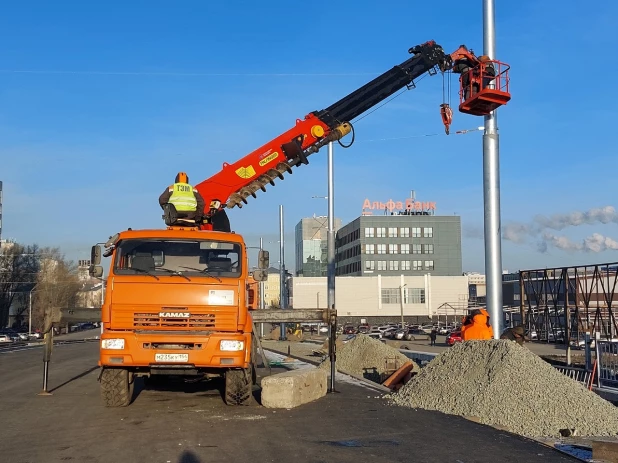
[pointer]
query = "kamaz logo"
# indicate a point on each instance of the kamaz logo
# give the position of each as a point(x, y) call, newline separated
point(174, 314)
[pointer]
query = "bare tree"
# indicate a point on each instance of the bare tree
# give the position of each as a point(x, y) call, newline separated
point(57, 286)
point(19, 266)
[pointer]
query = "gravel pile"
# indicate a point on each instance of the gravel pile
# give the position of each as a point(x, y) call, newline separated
point(366, 357)
point(502, 384)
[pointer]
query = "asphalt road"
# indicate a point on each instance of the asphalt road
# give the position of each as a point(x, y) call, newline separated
point(190, 424)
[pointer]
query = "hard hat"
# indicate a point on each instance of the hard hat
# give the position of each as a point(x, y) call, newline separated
point(484, 58)
point(182, 177)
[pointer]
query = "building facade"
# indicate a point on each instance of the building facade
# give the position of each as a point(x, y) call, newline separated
point(397, 244)
point(310, 245)
point(377, 299)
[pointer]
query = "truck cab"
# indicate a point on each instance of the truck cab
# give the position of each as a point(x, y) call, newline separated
point(178, 303)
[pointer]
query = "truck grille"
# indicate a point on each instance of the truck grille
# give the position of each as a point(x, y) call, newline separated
point(152, 320)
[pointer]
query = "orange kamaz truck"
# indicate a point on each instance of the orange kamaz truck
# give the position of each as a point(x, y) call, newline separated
point(179, 300)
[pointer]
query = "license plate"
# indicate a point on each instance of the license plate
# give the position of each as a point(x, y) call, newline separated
point(172, 357)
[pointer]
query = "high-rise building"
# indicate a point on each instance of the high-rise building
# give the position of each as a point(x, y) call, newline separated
point(311, 249)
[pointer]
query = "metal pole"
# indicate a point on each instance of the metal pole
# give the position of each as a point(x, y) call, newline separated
point(262, 300)
point(282, 300)
point(491, 188)
point(30, 315)
point(330, 272)
point(401, 303)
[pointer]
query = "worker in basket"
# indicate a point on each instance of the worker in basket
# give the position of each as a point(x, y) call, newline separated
point(476, 326)
point(186, 200)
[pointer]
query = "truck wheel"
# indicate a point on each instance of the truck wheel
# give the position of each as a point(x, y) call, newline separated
point(238, 386)
point(116, 387)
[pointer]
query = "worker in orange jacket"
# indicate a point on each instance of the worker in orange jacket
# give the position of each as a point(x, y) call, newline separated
point(477, 326)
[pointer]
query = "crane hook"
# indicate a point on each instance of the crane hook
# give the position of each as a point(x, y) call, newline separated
point(447, 116)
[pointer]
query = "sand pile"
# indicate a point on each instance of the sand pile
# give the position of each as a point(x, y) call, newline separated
point(367, 357)
point(503, 384)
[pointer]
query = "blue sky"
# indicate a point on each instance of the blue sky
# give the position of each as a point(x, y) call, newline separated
point(101, 103)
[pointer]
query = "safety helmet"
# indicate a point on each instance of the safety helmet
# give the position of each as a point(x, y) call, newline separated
point(484, 58)
point(182, 177)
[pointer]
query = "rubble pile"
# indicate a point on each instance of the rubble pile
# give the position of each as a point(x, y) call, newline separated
point(368, 358)
point(500, 383)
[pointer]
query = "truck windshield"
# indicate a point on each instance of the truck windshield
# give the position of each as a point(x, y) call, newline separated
point(167, 258)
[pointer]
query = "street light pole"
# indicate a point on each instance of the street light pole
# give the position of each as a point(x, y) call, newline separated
point(491, 188)
point(262, 296)
point(401, 302)
point(282, 299)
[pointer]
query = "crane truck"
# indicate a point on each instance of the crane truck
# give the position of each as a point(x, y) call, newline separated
point(181, 300)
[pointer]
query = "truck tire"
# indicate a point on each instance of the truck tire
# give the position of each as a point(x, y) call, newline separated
point(116, 387)
point(238, 386)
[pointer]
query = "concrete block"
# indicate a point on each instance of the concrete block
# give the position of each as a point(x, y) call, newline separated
point(293, 388)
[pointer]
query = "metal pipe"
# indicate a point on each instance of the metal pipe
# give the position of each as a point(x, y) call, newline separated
point(330, 270)
point(491, 189)
point(262, 302)
point(282, 301)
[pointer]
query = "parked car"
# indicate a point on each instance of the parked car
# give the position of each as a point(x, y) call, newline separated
point(4, 338)
point(363, 329)
point(349, 329)
point(453, 337)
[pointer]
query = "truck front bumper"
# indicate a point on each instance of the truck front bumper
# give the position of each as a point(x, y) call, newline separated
point(135, 349)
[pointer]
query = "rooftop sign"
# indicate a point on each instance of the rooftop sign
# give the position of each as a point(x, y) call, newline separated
point(407, 205)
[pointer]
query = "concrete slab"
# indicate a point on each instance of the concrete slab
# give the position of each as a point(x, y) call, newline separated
point(293, 388)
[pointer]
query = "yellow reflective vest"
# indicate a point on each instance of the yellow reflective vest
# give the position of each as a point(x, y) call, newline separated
point(183, 197)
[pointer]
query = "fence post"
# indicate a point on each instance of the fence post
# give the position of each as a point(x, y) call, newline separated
point(597, 350)
point(587, 354)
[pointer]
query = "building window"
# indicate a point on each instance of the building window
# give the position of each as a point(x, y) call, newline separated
point(404, 232)
point(370, 265)
point(416, 249)
point(391, 295)
point(381, 248)
point(427, 248)
point(405, 265)
point(392, 249)
point(369, 233)
point(370, 249)
point(393, 265)
point(381, 232)
point(416, 232)
point(392, 232)
point(381, 265)
point(416, 295)
point(405, 248)
point(417, 265)
point(428, 232)
point(429, 265)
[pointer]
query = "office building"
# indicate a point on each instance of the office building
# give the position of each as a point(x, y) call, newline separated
point(311, 245)
point(404, 243)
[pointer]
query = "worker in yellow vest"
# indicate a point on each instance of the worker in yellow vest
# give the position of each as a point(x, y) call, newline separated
point(187, 200)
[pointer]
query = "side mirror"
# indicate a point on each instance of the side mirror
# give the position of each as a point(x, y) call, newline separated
point(260, 275)
point(96, 271)
point(263, 259)
point(95, 255)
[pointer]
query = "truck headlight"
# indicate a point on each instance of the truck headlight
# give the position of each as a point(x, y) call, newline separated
point(228, 345)
point(112, 344)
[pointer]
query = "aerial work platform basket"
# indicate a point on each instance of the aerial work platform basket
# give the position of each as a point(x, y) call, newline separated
point(484, 88)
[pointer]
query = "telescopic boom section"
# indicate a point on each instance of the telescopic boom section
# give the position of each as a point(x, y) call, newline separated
point(234, 183)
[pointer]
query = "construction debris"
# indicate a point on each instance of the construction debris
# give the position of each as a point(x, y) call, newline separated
point(507, 386)
point(368, 358)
